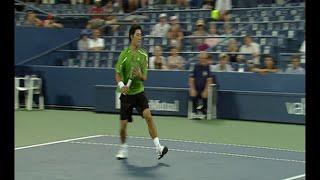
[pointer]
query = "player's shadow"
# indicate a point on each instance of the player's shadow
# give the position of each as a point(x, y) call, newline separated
point(142, 171)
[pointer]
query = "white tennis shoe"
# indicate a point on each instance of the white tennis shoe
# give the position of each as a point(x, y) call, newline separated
point(123, 152)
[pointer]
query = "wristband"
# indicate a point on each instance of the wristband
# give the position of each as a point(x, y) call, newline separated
point(120, 84)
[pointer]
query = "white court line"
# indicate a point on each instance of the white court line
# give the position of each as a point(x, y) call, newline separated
point(199, 142)
point(191, 151)
point(56, 142)
point(295, 177)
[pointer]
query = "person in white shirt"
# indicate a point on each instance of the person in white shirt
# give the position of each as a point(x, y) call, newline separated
point(252, 48)
point(96, 43)
point(295, 66)
point(157, 61)
point(223, 65)
point(303, 50)
point(162, 27)
point(224, 7)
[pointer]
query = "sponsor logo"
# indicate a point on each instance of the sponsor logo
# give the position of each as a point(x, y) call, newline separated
point(297, 108)
point(157, 105)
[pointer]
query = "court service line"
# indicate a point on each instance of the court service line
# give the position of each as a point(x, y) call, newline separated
point(295, 177)
point(191, 151)
point(56, 142)
point(226, 144)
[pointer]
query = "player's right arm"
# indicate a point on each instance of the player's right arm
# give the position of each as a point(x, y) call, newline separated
point(119, 74)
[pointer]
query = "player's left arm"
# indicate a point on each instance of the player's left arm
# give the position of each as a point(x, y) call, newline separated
point(143, 72)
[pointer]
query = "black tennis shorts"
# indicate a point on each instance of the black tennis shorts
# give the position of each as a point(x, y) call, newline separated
point(128, 102)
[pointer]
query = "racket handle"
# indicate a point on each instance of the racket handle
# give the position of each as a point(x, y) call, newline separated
point(129, 82)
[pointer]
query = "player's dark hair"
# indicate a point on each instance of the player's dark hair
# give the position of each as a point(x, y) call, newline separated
point(133, 29)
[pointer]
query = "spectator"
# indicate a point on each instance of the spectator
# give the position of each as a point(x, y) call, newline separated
point(157, 61)
point(110, 18)
point(48, 1)
point(269, 66)
point(223, 65)
point(32, 20)
point(175, 36)
point(51, 23)
point(182, 3)
point(96, 21)
point(175, 62)
point(83, 43)
point(162, 28)
point(224, 7)
point(212, 32)
point(295, 66)
point(232, 48)
point(252, 48)
point(96, 43)
point(174, 21)
point(303, 50)
point(199, 32)
point(207, 4)
point(241, 65)
point(199, 80)
point(130, 6)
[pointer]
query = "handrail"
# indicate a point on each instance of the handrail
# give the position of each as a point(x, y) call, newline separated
point(258, 8)
point(46, 52)
point(165, 52)
point(32, 7)
point(195, 37)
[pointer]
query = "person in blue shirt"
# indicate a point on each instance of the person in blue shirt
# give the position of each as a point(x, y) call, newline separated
point(295, 67)
point(199, 80)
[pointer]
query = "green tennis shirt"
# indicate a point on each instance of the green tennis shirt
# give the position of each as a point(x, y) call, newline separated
point(126, 63)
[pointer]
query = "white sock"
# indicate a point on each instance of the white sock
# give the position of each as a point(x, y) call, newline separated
point(157, 142)
point(124, 145)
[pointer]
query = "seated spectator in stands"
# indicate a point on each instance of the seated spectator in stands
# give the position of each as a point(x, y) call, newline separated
point(213, 33)
point(175, 61)
point(96, 43)
point(110, 19)
point(162, 28)
point(233, 47)
point(32, 20)
point(223, 65)
point(268, 67)
point(97, 21)
point(207, 4)
point(130, 6)
point(51, 23)
point(199, 32)
point(224, 7)
point(157, 61)
point(295, 66)
point(182, 3)
point(303, 50)
point(174, 21)
point(83, 43)
point(175, 36)
point(199, 80)
point(252, 48)
point(241, 64)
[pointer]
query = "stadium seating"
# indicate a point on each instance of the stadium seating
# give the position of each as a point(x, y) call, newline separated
point(277, 28)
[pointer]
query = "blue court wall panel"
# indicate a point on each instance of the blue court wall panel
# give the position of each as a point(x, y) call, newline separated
point(65, 86)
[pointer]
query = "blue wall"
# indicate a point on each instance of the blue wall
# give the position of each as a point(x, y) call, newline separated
point(30, 41)
point(77, 83)
point(248, 96)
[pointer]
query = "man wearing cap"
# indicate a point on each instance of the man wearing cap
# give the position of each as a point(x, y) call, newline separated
point(223, 65)
point(162, 27)
point(199, 32)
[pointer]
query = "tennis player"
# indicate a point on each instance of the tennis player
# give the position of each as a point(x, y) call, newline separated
point(131, 71)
